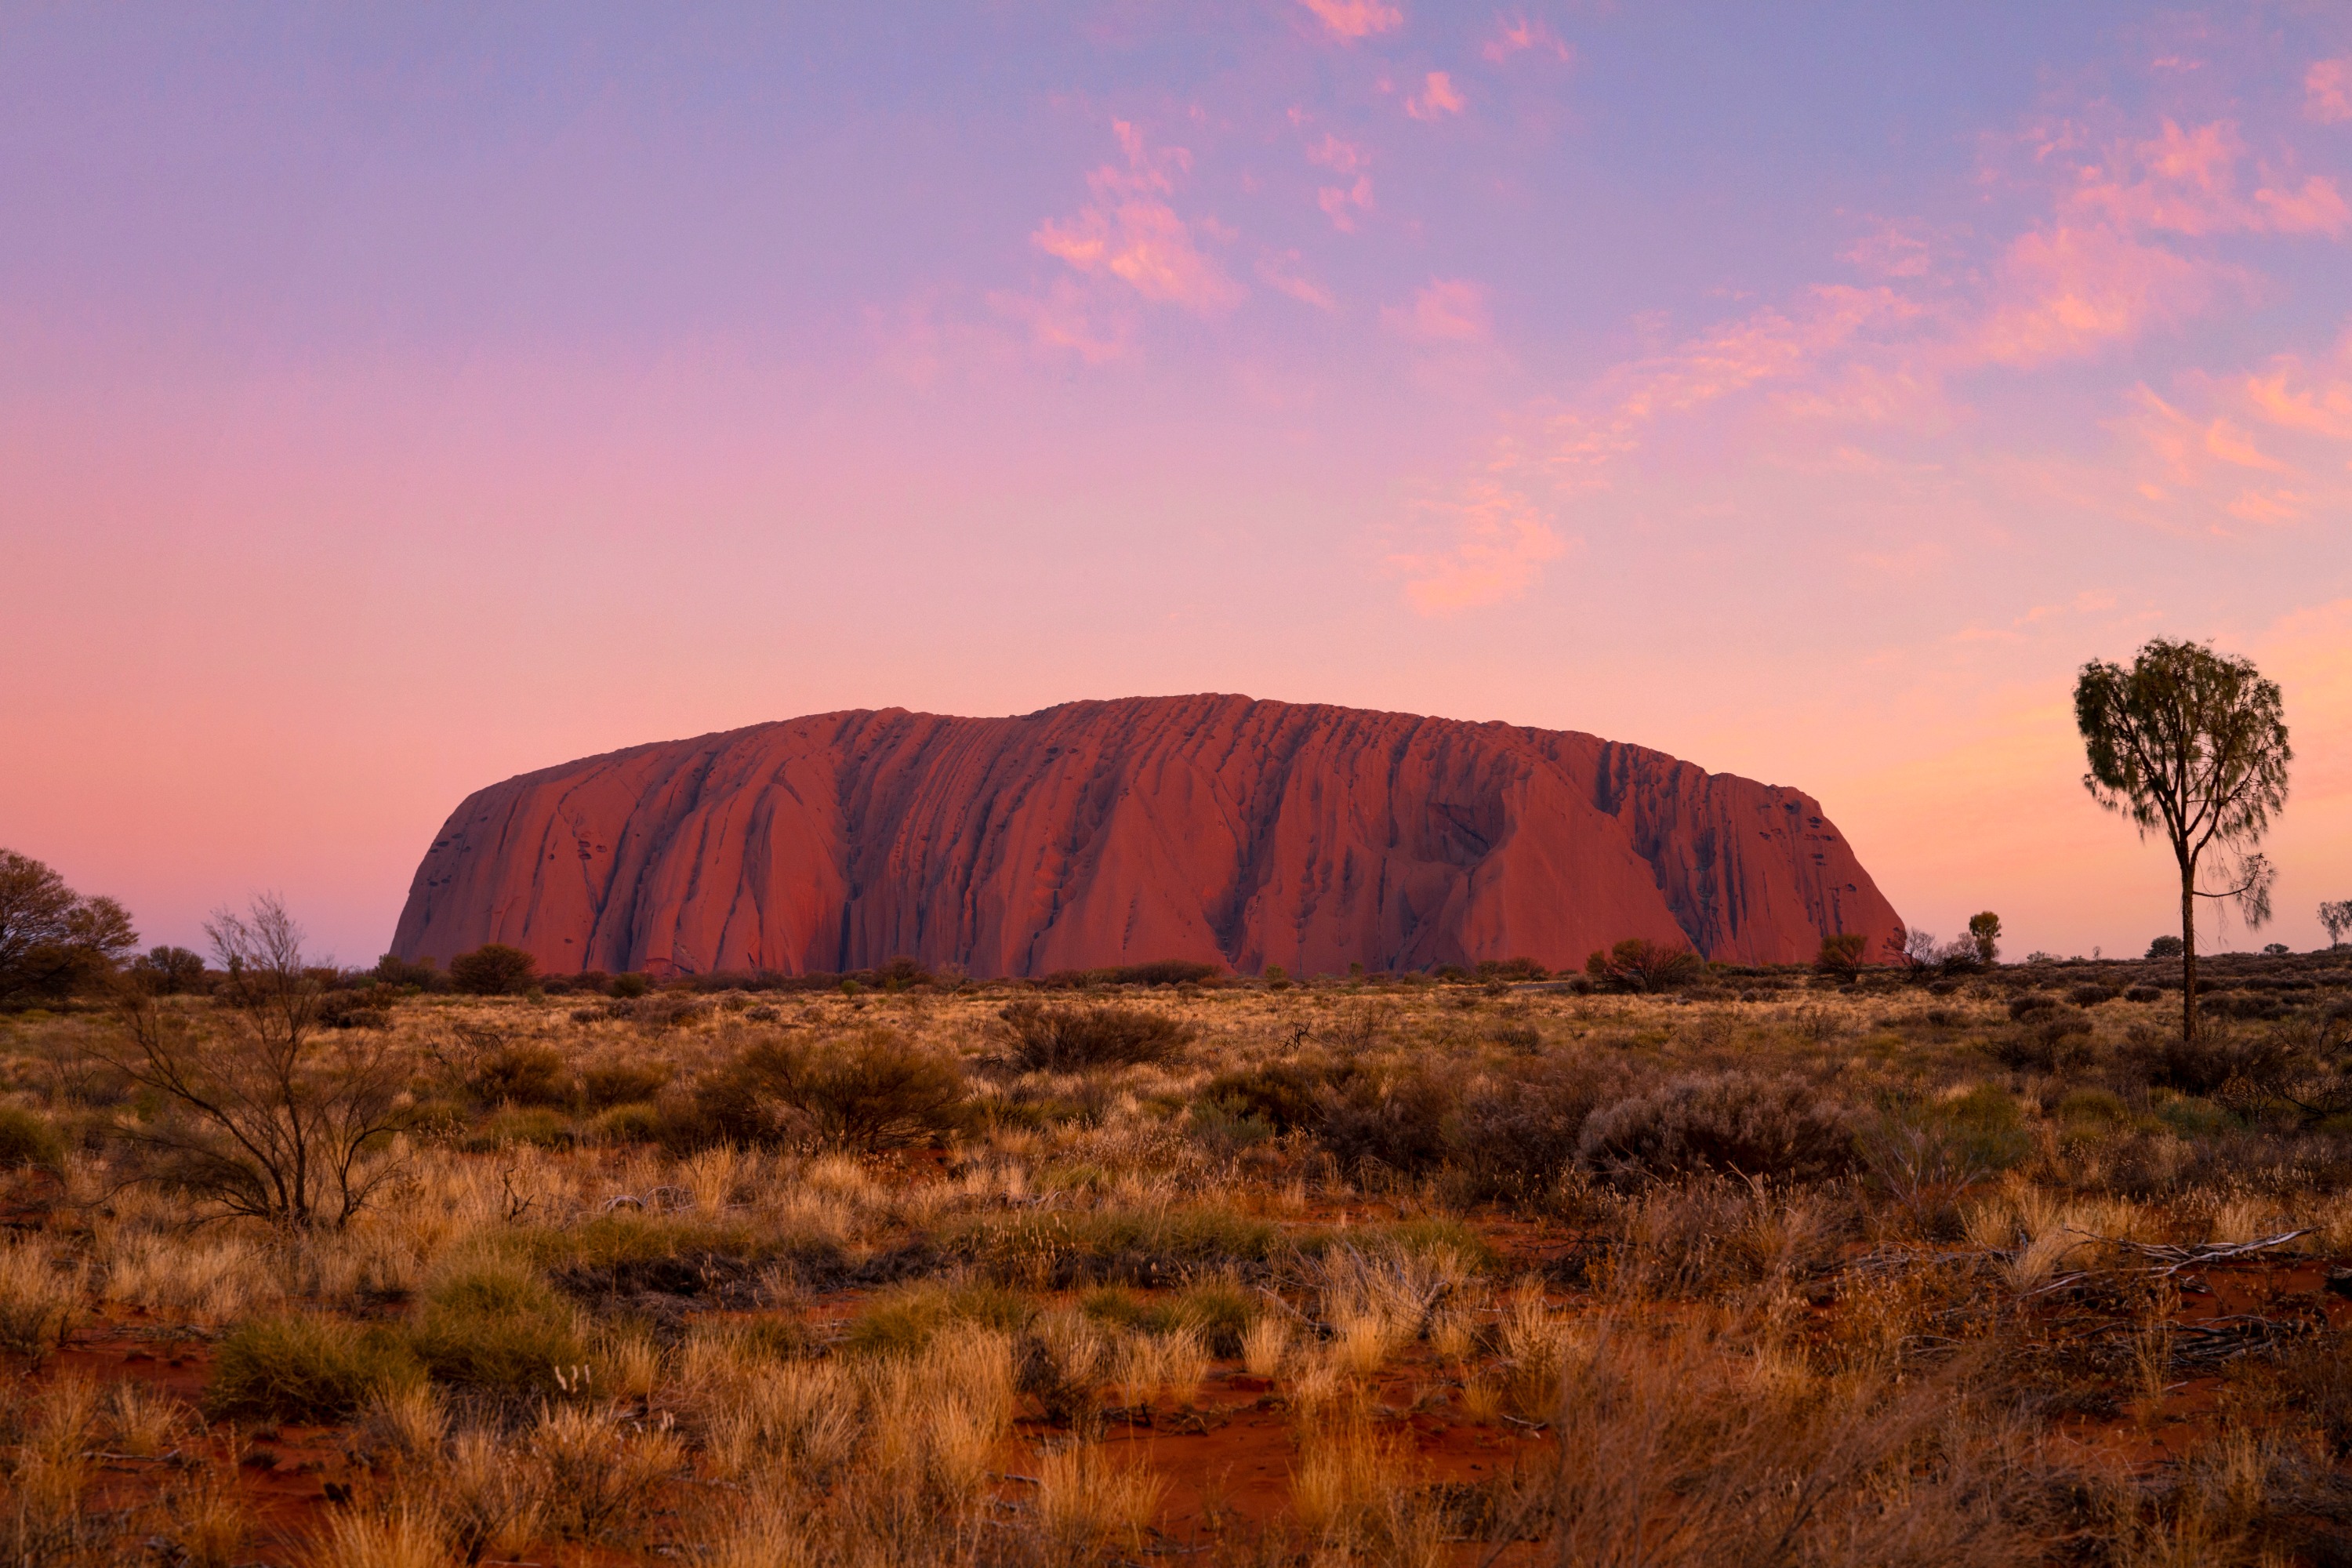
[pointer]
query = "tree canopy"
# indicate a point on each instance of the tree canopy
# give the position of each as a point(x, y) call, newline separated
point(54, 940)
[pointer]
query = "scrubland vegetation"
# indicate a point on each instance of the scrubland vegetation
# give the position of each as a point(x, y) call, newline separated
point(1854, 1266)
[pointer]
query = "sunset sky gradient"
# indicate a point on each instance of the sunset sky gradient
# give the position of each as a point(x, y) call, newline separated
point(394, 400)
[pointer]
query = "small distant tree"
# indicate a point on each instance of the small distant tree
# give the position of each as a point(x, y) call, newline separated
point(262, 1111)
point(53, 940)
point(492, 969)
point(1984, 930)
point(2166, 947)
point(1910, 948)
point(1638, 963)
point(1844, 955)
point(2191, 745)
point(2337, 919)
point(168, 971)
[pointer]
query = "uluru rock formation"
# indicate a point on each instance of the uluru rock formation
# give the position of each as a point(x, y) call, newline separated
point(1208, 828)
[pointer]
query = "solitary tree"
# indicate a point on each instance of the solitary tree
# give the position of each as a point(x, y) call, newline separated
point(53, 940)
point(2337, 917)
point(1984, 930)
point(2190, 743)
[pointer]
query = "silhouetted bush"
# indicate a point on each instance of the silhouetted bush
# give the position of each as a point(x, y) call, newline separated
point(2166, 947)
point(169, 970)
point(2091, 995)
point(627, 986)
point(394, 971)
point(1072, 1040)
point(872, 1091)
point(493, 969)
point(1638, 963)
point(365, 1009)
point(1513, 969)
point(1844, 955)
point(1737, 1123)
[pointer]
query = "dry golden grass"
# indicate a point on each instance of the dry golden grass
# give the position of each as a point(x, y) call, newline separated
point(1949, 1353)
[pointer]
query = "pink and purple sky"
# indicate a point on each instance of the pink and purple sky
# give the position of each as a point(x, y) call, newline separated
point(395, 399)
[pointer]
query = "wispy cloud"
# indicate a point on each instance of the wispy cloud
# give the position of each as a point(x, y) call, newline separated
point(1353, 19)
point(1284, 274)
point(1437, 98)
point(1519, 35)
point(1446, 310)
point(1129, 232)
point(1351, 198)
point(1066, 318)
point(1500, 543)
point(2327, 90)
point(2072, 290)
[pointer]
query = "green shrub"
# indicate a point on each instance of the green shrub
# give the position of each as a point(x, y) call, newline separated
point(1142, 1247)
point(303, 1367)
point(623, 1083)
point(492, 969)
point(902, 1322)
point(532, 1124)
point(628, 987)
point(1986, 1128)
point(1073, 1039)
point(497, 1325)
point(26, 1138)
point(2092, 1109)
point(873, 1091)
point(635, 1123)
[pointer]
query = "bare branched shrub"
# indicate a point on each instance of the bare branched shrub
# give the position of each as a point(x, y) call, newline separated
point(263, 1114)
point(1737, 1123)
point(1640, 964)
point(1072, 1040)
point(872, 1091)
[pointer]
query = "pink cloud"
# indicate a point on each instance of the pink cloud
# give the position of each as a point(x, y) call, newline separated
point(1132, 234)
point(1892, 252)
point(1341, 203)
point(2290, 397)
point(1438, 98)
point(1353, 19)
point(2327, 90)
point(1339, 157)
point(2185, 181)
point(1447, 310)
point(2205, 466)
point(1281, 273)
point(1065, 319)
point(1501, 543)
point(2068, 291)
point(1519, 34)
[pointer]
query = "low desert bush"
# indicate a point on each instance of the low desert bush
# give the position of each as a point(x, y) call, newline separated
point(872, 1091)
point(623, 1083)
point(40, 1298)
point(497, 1326)
point(534, 1126)
point(515, 1074)
point(305, 1367)
point(493, 969)
point(27, 1138)
point(1073, 1039)
point(1641, 964)
point(1520, 1126)
point(1736, 1123)
point(903, 1322)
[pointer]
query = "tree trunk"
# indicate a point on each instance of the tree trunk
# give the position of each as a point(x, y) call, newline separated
point(2188, 951)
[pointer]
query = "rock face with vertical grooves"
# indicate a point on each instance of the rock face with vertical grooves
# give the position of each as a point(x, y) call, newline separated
point(1209, 827)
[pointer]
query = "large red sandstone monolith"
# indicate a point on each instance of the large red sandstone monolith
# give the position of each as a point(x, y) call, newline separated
point(1208, 828)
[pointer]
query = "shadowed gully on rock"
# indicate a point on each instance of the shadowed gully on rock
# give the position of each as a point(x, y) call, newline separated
point(1207, 827)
